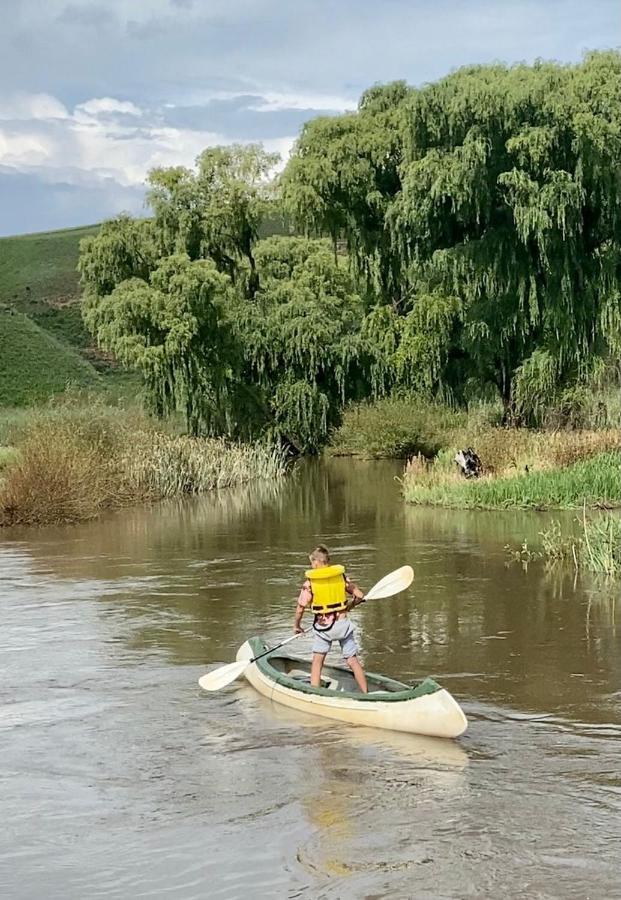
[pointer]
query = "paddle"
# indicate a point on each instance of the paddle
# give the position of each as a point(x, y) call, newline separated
point(219, 678)
point(390, 584)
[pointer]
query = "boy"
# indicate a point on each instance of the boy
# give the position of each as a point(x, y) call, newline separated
point(325, 591)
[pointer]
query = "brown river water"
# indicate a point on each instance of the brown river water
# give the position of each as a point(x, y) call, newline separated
point(120, 779)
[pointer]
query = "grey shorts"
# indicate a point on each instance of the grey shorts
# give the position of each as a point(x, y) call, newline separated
point(343, 632)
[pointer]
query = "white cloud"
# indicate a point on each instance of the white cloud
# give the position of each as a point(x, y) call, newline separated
point(22, 106)
point(99, 105)
point(103, 138)
point(274, 101)
point(22, 150)
point(126, 61)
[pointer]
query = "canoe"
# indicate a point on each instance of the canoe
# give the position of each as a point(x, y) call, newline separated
point(424, 708)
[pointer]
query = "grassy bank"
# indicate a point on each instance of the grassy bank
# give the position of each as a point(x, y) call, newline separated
point(69, 465)
point(595, 481)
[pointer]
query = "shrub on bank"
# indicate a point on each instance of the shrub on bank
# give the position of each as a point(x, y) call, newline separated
point(58, 477)
point(432, 433)
point(396, 428)
point(72, 467)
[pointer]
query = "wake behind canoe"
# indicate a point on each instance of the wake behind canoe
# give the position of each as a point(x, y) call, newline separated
point(425, 708)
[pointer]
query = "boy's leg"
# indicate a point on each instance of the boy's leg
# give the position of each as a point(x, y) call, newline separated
point(361, 679)
point(316, 667)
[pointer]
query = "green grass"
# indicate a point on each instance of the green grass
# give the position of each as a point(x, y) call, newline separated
point(8, 455)
point(38, 277)
point(592, 482)
point(35, 366)
point(43, 342)
point(41, 267)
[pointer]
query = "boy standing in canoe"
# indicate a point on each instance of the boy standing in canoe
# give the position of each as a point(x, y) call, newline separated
point(330, 595)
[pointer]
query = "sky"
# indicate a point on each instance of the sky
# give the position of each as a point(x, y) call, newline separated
point(94, 93)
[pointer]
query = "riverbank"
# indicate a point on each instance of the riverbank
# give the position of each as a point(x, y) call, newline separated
point(521, 467)
point(69, 463)
point(594, 482)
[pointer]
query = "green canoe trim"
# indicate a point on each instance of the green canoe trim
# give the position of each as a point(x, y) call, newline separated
point(427, 686)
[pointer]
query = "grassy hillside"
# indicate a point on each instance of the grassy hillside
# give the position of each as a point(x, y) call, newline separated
point(38, 277)
point(43, 343)
point(41, 266)
point(34, 365)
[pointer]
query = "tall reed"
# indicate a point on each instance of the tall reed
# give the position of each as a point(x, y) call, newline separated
point(72, 468)
point(595, 547)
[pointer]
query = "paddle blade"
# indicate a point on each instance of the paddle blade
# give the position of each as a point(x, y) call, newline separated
point(219, 678)
point(392, 583)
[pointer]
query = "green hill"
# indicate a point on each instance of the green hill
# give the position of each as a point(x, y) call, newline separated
point(34, 365)
point(38, 277)
point(43, 343)
point(42, 266)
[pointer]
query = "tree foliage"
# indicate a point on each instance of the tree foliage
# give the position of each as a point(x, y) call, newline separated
point(497, 187)
point(343, 176)
point(481, 219)
point(214, 211)
point(305, 349)
point(173, 327)
point(244, 337)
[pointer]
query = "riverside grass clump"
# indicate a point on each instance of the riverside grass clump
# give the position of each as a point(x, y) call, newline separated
point(69, 465)
point(595, 482)
point(595, 547)
point(167, 466)
point(599, 549)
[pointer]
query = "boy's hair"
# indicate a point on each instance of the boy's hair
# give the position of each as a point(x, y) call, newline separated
point(320, 554)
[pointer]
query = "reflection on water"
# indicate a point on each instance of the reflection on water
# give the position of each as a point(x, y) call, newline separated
point(119, 778)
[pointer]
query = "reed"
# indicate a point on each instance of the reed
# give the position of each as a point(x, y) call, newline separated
point(70, 467)
point(594, 546)
point(162, 465)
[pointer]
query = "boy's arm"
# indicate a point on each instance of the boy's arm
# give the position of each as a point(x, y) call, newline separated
point(357, 596)
point(306, 597)
point(297, 623)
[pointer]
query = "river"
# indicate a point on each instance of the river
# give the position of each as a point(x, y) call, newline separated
point(119, 778)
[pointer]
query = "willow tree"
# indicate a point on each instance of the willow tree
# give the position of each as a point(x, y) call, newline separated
point(302, 339)
point(498, 220)
point(510, 201)
point(281, 362)
point(342, 177)
point(214, 211)
point(173, 328)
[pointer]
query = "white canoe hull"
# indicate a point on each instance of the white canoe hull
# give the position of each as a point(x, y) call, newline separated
point(435, 715)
